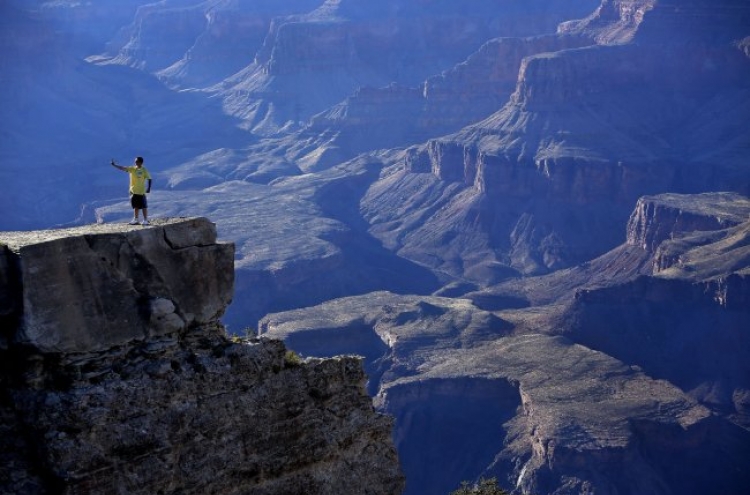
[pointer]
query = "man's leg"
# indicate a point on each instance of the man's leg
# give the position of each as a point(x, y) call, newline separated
point(145, 216)
point(135, 216)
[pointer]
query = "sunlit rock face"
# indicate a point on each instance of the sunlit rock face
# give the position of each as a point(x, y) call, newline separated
point(613, 22)
point(116, 375)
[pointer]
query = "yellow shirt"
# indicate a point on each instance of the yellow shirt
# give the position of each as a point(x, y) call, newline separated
point(138, 178)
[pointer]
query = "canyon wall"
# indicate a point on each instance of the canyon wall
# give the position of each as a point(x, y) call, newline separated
point(668, 216)
point(476, 394)
point(627, 374)
point(605, 115)
point(685, 321)
point(117, 376)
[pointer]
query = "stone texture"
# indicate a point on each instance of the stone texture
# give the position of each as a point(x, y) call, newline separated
point(95, 287)
point(615, 21)
point(346, 45)
point(540, 412)
point(9, 290)
point(142, 392)
point(621, 375)
point(669, 216)
point(211, 416)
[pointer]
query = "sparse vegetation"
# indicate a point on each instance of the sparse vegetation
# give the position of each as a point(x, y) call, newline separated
point(484, 487)
point(247, 335)
point(292, 359)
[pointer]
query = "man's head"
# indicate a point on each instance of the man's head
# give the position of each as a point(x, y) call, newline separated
point(138, 161)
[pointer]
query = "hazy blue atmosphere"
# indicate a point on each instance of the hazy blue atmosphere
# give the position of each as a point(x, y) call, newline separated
point(531, 217)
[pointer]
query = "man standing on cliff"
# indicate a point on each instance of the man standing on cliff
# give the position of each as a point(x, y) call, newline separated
point(138, 189)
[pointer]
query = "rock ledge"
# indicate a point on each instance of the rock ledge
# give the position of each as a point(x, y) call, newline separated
point(116, 376)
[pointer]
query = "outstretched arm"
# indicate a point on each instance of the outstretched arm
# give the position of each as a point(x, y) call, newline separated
point(118, 167)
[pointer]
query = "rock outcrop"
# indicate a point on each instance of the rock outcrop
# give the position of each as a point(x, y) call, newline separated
point(541, 413)
point(576, 144)
point(312, 61)
point(613, 376)
point(116, 375)
point(92, 288)
point(686, 320)
point(668, 216)
point(614, 22)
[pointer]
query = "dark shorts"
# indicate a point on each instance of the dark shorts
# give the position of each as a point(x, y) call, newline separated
point(138, 201)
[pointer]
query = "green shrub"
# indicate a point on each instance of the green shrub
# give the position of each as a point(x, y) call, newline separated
point(292, 359)
point(484, 487)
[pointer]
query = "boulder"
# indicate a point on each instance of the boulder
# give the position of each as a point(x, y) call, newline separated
point(98, 286)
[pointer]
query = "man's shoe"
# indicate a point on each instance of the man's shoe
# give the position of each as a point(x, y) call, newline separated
point(145, 222)
point(133, 222)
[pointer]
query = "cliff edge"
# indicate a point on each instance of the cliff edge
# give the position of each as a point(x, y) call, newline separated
point(117, 376)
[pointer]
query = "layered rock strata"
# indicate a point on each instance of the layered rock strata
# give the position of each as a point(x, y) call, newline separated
point(687, 319)
point(670, 216)
point(612, 376)
point(542, 413)
point(396, 115)
point(343, 46)
point(117, 376)
point(544, 182)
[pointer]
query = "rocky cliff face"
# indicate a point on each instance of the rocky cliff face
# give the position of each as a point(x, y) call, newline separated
point(317, 59)
point(613, 22)
point(97, 287)
point(398, 115)
point(612, 377)
point(686, 320)
point(657, 219)
point(199, 43)
point(577, 143)
point(541, 413)
point(117, 375)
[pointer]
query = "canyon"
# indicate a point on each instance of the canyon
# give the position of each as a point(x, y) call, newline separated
point(529, 218)
point(622, 375)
